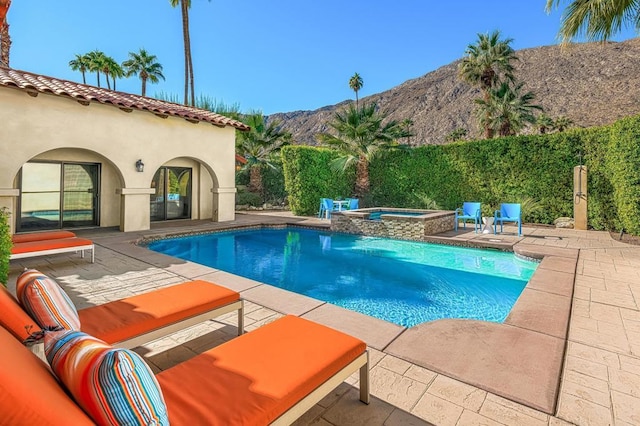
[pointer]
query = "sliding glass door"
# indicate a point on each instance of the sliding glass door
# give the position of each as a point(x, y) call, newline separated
point(172, 199)
point(57, 195)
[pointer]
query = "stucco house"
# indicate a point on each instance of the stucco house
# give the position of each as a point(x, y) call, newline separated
point(74, 155)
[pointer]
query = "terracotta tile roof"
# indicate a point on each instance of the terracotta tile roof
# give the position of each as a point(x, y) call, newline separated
point(35, 83)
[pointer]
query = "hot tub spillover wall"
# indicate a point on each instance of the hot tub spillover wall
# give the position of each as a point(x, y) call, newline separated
point(393, 223)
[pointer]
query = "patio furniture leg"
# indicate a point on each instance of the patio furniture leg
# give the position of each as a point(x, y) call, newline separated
point(364, 382)
point(241, 319)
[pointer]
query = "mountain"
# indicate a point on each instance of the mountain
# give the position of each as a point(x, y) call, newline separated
point(590, 83)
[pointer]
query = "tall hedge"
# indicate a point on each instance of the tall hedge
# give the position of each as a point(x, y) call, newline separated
point(601, 211)
point(624, 165)
point(511, 169)
point(5, 246)
point(308, 178)
point(492, 171)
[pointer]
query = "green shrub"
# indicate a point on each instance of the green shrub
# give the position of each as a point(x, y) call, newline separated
point(530, 209)
point(248, 198)
point(424, 202)
point(242, 177)
point(5, 246)
point(273, 183)
point(534, 170)
point(495, 171)
point(624, 166)
point(601, 211)
point(308, 178)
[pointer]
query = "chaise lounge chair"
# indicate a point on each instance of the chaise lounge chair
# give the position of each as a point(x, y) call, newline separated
point(139, 319)
point(271, 375)
point(47, 243)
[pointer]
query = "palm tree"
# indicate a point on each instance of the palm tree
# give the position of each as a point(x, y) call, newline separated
point(144, 66)
point(188, 70)
point(115, 70)
point(407, 128)
point(508, 110)
point(544, 123)
point(596, 20)
point(185, 5)
point(486, 64)
point(80, 63)
point(5, 40)
point(106, 66)
point(562, 123)
point(259, 145)
point(356, 83)
point(360, 136)
point(96, 61)
point(457, 134)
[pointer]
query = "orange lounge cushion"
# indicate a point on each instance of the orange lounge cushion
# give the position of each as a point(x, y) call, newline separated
point(43, 245)
point(29, 394)
point(255, 378)
point(39, 236)
point(13, 318)
point(126, 318)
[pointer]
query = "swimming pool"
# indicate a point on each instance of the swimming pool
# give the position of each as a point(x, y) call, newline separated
point(403, 282)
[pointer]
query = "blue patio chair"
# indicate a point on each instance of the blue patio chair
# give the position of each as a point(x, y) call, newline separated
point(326, 207)
point(469, 211)
point(509, 212)
point(353, 204)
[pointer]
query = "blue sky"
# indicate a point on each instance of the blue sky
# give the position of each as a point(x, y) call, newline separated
point(273, 56)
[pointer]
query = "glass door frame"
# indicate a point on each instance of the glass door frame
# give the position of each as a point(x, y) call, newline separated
point(160, 205)
point(96, 194)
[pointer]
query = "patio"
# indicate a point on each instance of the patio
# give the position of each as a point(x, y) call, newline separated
point(601, 366)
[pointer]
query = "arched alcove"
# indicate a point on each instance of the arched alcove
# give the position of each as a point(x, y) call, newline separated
point(67, 188)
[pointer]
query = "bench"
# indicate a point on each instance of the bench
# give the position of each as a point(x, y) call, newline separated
point(47, 243)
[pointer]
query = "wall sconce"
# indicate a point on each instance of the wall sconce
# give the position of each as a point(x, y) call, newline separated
point(139, 166)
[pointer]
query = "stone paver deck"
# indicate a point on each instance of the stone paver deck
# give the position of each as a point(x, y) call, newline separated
point(600, 383)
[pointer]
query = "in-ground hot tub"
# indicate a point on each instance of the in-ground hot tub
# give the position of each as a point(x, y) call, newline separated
point(404, 224)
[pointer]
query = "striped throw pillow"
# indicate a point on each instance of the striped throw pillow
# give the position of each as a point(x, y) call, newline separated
point(45, 301)
point(113, 385)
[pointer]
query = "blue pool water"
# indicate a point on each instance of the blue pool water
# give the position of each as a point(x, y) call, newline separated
point(403, 282)
point(377, 215)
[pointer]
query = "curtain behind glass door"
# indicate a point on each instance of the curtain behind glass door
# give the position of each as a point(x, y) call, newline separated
point(40, 196)
point(79, 194)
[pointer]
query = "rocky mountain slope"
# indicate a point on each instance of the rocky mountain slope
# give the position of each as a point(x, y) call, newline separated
point(590, 83)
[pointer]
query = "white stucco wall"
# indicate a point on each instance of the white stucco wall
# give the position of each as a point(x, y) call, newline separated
point(49, 127)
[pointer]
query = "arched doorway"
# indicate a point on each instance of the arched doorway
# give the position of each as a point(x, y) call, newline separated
point(173, 197)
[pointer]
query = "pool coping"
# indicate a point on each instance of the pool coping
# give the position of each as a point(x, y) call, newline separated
point(520, 359)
